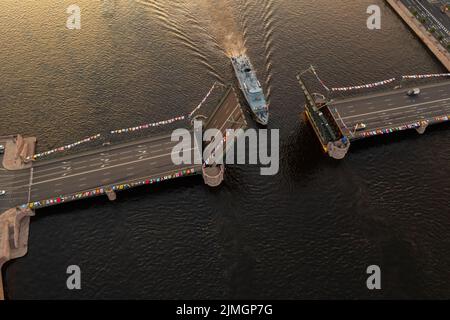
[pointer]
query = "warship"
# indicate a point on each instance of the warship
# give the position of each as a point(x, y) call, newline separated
point(251, 88)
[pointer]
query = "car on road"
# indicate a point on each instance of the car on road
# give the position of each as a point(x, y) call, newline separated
point(413, 92)
point(2, 149)
point(360, 126)
point(2, 192)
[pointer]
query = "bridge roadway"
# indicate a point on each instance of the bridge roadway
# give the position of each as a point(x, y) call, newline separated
point(15, 193)
point(108, 166)
point(393, 109)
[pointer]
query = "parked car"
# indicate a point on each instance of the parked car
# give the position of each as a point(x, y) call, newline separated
point(2, 192)
point(413, 92)
point(2, 149)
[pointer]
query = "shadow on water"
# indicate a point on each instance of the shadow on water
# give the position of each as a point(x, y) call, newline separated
point(301, 154)
point(396, 138)
point(123, 197)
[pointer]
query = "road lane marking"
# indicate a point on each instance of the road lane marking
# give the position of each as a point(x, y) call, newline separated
point(110, 167)
point(104, 165)
point(397, 122)
point(30, 184)
point(427, 110)
point(432, 87)
point(397, 108)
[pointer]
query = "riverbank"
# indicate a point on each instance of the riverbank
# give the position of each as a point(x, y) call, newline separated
point(427, 38)
point(14, 230)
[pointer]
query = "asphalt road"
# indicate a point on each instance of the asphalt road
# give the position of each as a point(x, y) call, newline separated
point(107, 166)
point(393, 108)
point(83, 172)
point(228, 115)
point(16, 193)
point(146, 159)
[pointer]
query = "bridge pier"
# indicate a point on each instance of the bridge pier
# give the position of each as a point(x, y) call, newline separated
point(14, 231)
point(213, 175)
point(111, 195)
point(17, 152)
point(338, 150)
point(422, 128)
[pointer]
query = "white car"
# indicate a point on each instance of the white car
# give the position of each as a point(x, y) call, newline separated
point(2, 148)
point(413, 92)
point(2, 192)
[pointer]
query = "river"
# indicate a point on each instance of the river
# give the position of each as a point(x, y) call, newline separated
point(307, 233)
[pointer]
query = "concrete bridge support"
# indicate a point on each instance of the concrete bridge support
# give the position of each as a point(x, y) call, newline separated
point(422, 128)
point(14, 230)
point(18, 150)
point(338, 150)
point(213, 175)
point(111, 195)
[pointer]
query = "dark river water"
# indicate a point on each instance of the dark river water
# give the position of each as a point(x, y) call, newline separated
point(307, 233)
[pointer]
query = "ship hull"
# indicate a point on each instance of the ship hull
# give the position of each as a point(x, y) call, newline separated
point(260, 117)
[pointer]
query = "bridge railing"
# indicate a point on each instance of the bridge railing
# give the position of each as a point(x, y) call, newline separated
point(315, 92)
point(136, 132)
point(404, 81)
point(122, 186)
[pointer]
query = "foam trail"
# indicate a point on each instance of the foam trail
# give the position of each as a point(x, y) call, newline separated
point(175, 20)
point(225, 28)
